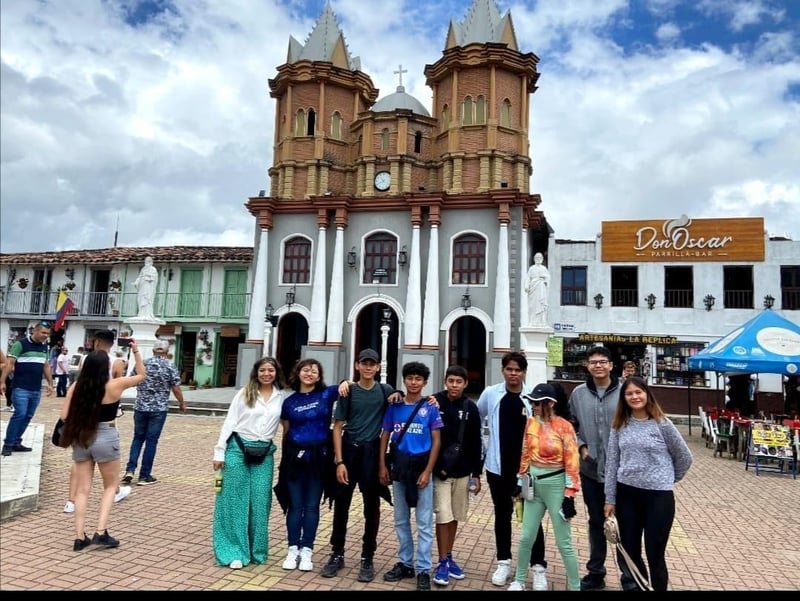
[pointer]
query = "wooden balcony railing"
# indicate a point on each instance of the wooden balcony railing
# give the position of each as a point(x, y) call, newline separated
point(121, 305)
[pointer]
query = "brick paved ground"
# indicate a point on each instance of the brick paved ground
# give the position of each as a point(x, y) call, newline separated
point(733, 531)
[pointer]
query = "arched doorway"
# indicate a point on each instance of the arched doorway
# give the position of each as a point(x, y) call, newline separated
point(368, 335)
point(468, 349)
point(292, 337)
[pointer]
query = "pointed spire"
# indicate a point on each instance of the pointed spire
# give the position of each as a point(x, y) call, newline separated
point(324, 43)
point(482, 24)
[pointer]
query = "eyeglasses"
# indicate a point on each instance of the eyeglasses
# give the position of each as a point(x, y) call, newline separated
point(600, 362)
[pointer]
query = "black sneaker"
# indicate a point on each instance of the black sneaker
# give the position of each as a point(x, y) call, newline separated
point(593, 582)
point(18, 448)
point(128, 478)
point(400, 571)
point(6, 451)
point(335, 563)
point(146, 481)
point(423, 581)
point(105, 540)
point(367, 571)
point(80, 545)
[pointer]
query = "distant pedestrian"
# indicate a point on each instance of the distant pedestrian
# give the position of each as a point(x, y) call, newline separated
point(89, 413)
point(28, 360)
point(646, 457)
point(150, 411)
point(628, 370)
point(305, 456)
point(240, 531)
point(62, 372)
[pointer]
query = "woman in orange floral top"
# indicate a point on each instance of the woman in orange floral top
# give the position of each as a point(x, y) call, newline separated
point(550, 455)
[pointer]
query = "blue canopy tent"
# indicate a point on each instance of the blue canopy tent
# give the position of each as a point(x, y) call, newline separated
point(768, 343)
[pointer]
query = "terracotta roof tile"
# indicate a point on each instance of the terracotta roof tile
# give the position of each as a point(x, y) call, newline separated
point(133, 254)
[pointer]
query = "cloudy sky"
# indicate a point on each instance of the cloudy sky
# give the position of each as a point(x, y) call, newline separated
point(156, 113)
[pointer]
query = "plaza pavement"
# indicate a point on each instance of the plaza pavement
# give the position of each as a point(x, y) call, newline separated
point(733, 530)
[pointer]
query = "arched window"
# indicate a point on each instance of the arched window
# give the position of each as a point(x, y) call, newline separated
point(466, 113)
point(505, 113)
point(300, 123)
point(418, 141)
point(480, 110)
point(336, 125)
point(312, 118)
point(297, 261)
point(469, 259)
point(445, 118)
point(380, 252)
point(384, 139)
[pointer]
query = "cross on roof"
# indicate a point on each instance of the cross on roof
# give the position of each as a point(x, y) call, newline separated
point(400, 72)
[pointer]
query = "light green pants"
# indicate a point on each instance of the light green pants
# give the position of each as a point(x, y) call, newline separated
point(547, 494)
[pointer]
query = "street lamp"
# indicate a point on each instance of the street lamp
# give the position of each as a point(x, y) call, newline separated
point(650, 299)
point(708, 301)
point(385, 325)
point(598, 300)
point(270, 321)
point(769, 300)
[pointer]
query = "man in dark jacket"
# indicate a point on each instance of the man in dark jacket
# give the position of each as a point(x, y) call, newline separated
point(593, 405)
point(451, 487)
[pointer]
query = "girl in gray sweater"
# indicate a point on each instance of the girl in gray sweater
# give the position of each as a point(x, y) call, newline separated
point(646, 456)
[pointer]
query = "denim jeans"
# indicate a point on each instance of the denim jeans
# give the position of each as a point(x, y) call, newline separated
point(25, 403)
point(402, 526)
point(61, 385)
point(147, 426)
point(302, 517)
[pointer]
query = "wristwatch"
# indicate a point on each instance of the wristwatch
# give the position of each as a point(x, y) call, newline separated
point(338, 463)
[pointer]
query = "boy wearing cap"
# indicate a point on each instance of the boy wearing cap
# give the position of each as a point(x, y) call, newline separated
point(150, 411)
point(356, 444)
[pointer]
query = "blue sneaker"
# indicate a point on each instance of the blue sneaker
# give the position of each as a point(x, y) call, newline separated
point(441, 575)
point(453, 568)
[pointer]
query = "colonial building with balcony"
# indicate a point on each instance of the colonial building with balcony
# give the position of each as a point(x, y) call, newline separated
point(202, 295)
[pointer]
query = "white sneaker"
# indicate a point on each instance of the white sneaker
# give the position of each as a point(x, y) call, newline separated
point(236, 565)
point(290, 562)
point(69, 507)
point(516, 586)
point(122, 493)
point(502, 572)
point(539, 578)
point(305, 560)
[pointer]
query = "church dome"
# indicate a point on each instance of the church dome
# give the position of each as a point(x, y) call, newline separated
point(400, 100)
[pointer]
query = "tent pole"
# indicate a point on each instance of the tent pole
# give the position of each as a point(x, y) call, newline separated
point(689, 397)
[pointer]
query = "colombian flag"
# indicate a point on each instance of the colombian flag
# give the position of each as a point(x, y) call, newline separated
point(63, 306)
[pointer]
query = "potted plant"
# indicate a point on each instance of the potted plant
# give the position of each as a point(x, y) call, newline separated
point(207, 383)
point(70, 285)
point(192, 384)
point(22, 283)
point(115, 285)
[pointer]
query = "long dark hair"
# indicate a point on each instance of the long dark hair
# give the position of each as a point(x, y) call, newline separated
point(624, 411)
point(87, 396)
point(252, 386)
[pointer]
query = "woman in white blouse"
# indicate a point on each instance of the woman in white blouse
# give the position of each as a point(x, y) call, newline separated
point(242, 507)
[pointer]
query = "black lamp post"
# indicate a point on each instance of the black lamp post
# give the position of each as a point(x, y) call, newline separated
point(708, 301)
point(650, 299)
point(598, 300)
point(466, 302)
point(769, 300)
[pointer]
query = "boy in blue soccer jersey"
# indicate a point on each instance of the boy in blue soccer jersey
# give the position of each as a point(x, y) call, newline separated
point(411, 473)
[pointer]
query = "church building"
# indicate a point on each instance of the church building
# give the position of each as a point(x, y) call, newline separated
point(386, 226)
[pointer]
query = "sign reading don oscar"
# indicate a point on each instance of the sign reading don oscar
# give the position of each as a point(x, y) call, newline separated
point(684, 239)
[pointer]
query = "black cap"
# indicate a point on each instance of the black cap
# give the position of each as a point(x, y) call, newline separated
point(544, 392)
point(368, 355)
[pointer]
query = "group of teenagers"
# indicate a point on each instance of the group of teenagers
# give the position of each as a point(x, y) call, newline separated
point(608, 440)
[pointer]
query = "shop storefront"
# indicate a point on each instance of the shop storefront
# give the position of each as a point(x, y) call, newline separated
point(659, 359)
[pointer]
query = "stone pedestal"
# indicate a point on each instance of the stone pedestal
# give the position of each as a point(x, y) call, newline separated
point(534, 345)
point(144, 332)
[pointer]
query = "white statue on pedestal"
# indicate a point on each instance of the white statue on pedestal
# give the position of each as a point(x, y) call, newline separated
point(537, 285)
point(145, 285)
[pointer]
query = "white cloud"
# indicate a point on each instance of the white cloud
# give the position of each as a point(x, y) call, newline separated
point(169, 125)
